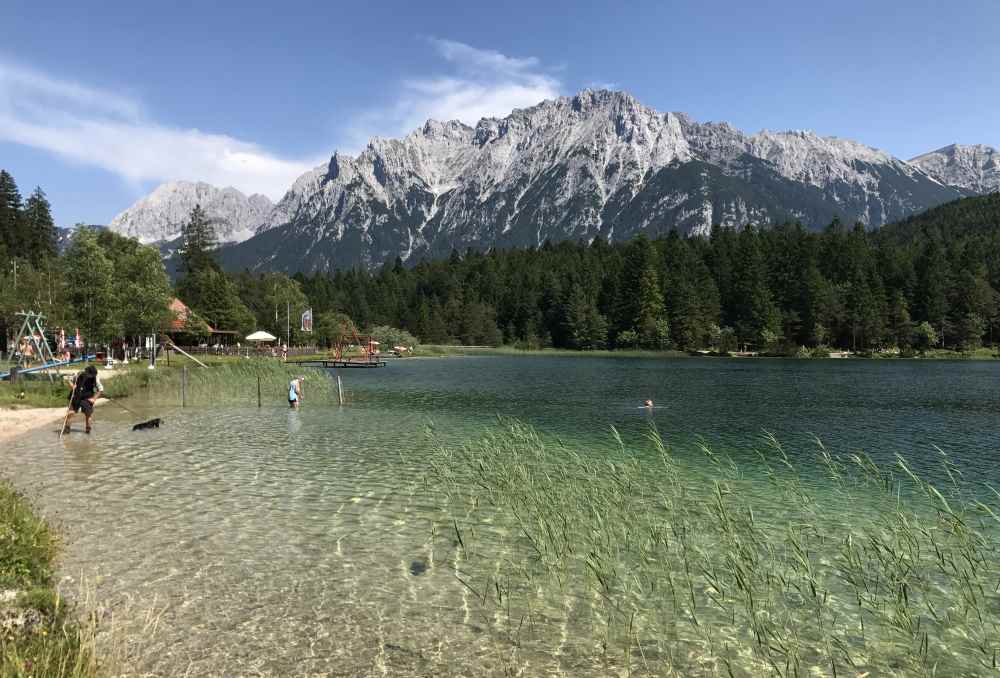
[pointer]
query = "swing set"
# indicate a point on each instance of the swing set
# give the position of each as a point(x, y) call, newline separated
point(31, 342)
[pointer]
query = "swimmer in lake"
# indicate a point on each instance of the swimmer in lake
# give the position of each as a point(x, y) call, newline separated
point(648, 403)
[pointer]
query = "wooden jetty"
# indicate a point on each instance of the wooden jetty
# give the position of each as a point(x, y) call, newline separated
point(337, 363)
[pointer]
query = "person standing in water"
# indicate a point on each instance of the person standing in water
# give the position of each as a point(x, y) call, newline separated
point(86, 389)
point(295, 392)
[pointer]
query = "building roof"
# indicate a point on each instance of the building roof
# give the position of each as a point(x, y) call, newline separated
point(181, 315)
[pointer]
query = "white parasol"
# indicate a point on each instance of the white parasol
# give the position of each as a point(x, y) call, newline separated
point(261, 335)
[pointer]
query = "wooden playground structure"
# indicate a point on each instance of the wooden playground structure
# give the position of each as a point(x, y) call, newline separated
point(349, 338)
point(31, 345)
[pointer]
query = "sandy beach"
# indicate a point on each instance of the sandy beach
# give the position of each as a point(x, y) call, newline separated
point(17, 422)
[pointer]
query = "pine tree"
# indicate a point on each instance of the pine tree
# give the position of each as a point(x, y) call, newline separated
point(199, 242)
point(640, 302)
point(900, 326)
point(755, 315)
point(579, 323)
point(40, 229)
point(933, 287)
point(11, 217)
point(651, 324)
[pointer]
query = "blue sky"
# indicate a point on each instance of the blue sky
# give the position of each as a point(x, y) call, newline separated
point(100, 102)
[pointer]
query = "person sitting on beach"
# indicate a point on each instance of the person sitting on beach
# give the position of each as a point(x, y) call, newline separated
point(86, 389)
point(295, 392)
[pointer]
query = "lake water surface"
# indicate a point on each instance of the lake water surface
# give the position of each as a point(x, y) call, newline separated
point(279, 542)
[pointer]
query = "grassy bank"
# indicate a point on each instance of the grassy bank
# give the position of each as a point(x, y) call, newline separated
point(33, 393)
point(39, 636)
point(442, 350)
point(645, 562)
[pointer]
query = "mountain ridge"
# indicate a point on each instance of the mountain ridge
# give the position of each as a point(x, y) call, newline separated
point(596, 164)
point(160, 216)
point(974, 167)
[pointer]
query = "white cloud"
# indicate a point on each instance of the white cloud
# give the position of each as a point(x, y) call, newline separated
point(96, 127)
point(479, 84)
point(101, 128)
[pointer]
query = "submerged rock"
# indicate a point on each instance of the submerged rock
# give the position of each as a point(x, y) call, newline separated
point(418, 567)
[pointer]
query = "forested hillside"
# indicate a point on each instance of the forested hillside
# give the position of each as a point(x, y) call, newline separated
point(959, 218)
point(928, 281)
point(772, 289)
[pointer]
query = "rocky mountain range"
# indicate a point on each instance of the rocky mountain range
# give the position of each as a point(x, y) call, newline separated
point(595, 165)
point(973, 168)
point(160, 216)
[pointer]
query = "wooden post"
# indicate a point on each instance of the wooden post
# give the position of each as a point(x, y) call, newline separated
point(258, 391)
point(184, 383)
point(340, 390)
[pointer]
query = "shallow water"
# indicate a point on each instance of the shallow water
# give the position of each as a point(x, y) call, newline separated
point(293, 543)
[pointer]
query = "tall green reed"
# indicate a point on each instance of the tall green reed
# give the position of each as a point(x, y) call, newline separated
point(228, 383)
point(659, 564)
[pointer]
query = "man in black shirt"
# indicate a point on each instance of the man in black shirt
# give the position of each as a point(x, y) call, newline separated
point(87, 388)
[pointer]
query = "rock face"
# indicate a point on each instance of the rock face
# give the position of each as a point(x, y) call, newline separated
point(974, 168)
point(160, 215)
point(595, 165)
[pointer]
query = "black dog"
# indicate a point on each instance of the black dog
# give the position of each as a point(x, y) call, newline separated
point(152, 423)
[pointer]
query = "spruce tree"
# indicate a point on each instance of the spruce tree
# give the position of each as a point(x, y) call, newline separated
point(40, 229)
point(199, 241)
point(933, 287)
point(754, 313)
point(639, 305)
point(11, 217)
point(900, 326)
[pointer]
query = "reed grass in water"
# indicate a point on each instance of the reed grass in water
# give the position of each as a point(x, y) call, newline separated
point(228, 383)
point(649, 564)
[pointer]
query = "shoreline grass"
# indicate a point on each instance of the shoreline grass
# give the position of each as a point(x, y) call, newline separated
point(39, 632)
point(39, 392)
point(448, 350)
point(454, 350)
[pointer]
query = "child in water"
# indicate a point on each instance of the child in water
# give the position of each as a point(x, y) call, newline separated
point(295, 392)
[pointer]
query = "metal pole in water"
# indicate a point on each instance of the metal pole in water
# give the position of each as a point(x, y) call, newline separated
point(184, 383)
point(340, 390)
point(258, 391)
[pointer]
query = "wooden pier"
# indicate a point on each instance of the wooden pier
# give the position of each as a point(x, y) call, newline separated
point(334, 363)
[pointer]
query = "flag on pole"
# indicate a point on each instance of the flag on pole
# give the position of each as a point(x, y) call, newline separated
point(307, 320)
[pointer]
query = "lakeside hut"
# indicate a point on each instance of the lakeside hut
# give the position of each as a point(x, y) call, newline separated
point(187, 329)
